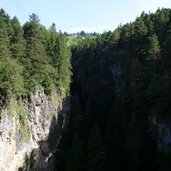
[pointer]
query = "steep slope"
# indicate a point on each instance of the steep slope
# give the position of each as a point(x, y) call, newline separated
point(120, 106)
point(35, 73)
point(26, 131)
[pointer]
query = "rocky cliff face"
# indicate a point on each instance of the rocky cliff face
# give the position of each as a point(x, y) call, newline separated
point(25, 129)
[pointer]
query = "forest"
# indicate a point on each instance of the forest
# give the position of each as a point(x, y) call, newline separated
point(120, 98)
point(118, 84)
point(31, 57)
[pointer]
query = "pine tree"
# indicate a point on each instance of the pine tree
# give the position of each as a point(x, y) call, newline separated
point(140, 28)
point(51, 43)
point(166, 53)
point(139, 37)
point(7, 21)
point(153, 50)
point(35, 50)
point(17, 43)
point(36, 60)
point(11, 80)
point(61, 61)
point(161, 21)
point(4, 40)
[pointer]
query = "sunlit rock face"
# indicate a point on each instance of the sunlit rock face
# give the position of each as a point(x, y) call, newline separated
point(25, 129)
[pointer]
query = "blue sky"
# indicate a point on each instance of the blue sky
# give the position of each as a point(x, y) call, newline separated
point(77, 15)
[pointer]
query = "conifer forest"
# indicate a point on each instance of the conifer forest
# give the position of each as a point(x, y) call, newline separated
point(117, 84)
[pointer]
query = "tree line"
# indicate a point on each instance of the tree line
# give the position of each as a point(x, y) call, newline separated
point(121, 79)
point(31, 57)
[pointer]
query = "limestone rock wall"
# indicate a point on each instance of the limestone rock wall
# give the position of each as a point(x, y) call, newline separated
point(25, 126)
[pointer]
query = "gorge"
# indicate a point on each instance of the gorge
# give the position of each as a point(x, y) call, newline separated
point(85, 102)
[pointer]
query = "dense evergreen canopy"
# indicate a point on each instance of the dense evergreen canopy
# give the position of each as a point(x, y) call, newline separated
point(121, 79)
point(27, 58)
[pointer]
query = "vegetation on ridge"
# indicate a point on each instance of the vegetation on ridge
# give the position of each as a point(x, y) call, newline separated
point(121, 79)
point(31, 56)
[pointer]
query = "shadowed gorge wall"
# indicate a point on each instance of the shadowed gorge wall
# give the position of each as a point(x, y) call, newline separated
point(120, 104)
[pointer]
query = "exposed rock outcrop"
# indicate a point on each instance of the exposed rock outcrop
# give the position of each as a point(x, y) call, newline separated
point(25, 127)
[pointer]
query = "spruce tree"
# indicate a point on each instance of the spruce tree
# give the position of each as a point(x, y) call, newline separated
point(153, 50)
point(36, 61)
point(62, 62)
point(7, 21)
point(51, 50)
point(11, 80)
point(17, 43)
point(4, 40)
point(140, 28)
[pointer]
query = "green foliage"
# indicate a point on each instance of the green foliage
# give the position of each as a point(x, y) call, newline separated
point(122, 79)
point(31, 57)
point(153, 47)
point(24, 126)
point(61, 61)
point(6, 19)
point(140, 28)
point(11, 80)
point(17, 42)
point(41, 62)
